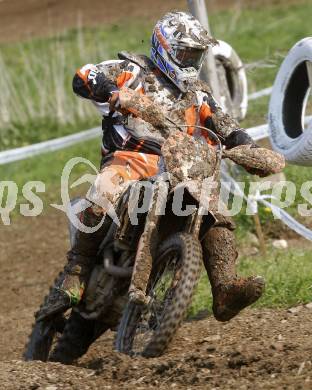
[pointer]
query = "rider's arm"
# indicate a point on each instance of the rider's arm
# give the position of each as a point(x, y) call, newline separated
point(90, 83)
point(101, 82)
point(222, 124)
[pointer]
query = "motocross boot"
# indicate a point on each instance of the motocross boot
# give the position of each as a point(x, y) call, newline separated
point(230, 293)
point(81, 259)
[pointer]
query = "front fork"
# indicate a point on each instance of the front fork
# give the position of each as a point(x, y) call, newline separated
point(147, 246)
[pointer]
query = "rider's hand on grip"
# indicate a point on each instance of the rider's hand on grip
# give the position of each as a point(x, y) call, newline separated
point(256, 160)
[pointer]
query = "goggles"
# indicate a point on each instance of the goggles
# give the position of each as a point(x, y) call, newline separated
point(188, 57)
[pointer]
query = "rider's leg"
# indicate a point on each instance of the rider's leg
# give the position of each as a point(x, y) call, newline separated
point(109, 184)
point(230, 293)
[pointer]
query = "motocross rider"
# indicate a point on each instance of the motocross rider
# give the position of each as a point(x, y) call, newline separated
point(170, 78)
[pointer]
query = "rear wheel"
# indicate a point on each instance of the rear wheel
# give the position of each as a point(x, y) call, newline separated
point(174, 276)
point(76, 338)
point(62, 338)
point(44, 333)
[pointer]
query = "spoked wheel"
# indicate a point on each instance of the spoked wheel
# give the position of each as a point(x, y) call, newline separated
point(45, 333)
point(43, 338)
point(175, 273)
point(62, 338)
point(76, 338)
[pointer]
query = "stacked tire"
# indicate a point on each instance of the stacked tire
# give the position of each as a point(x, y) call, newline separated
point(232, 80)
point(290, 128)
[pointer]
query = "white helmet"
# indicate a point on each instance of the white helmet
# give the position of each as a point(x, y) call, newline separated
point(179, 45)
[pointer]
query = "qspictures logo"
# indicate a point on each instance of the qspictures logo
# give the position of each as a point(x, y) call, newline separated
point(230, 199)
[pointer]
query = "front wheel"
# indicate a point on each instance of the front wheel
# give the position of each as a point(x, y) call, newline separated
point(175, 273)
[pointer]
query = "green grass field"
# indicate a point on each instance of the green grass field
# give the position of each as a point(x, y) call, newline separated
point(288, 276)
point(36, 103)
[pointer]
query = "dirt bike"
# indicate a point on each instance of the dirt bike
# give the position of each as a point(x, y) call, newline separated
point(146, 272)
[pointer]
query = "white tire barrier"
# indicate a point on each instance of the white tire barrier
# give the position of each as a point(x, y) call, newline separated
point(290, 132)
point(233, 80)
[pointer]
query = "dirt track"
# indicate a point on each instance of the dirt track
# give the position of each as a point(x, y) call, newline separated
point(260, 349)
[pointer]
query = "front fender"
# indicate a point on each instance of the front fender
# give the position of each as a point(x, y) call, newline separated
point(192, 191)
point(201, 192)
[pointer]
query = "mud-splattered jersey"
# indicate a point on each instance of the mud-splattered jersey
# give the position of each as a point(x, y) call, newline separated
point(196, 107)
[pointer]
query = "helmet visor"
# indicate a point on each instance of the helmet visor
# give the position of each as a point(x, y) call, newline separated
point(189, 57)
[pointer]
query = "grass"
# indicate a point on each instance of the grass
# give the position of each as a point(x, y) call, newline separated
point(36, 98)
point(37, 103)
point(48, 169)
point(288, 276)
point(263, 35)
